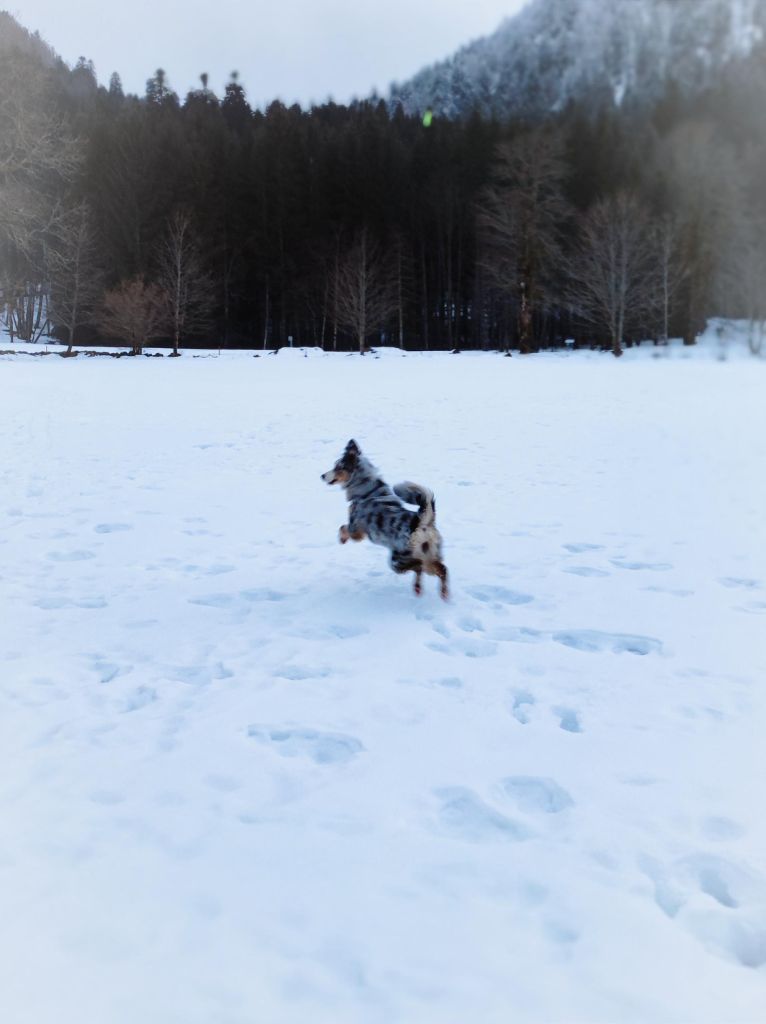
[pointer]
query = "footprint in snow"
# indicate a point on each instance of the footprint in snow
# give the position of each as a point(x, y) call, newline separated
point(213, 600)
point(469, 647)
point(569, 720)
point(751, 608)
point(518, 635)
point(112, 527)
point(70, 556)
point(669, 590)
point(49, 604)
point(720, 829)
point(107, 670)
point(450, 682)
point(298, 672)
point(499, 595)
point(316, 746)
point(522, 701)
point(217, 569)
point(141, 697)
point(535, 794)
point(739, 582)
point(586, 570)
point(593, 641)
point(721, 903)
point(462, 814)
point(578, 549)
point(263, 594)
point(621, 563)
point(469, 624)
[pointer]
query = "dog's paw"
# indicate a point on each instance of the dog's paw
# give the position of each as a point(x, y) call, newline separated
point(343, 534)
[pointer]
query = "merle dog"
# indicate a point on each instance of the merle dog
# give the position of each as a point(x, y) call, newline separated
point(376, 511)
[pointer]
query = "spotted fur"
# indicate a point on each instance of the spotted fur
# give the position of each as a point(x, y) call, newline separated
point(379, 512)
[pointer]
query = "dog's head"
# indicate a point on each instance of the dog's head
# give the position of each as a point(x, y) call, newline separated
point(344, 468)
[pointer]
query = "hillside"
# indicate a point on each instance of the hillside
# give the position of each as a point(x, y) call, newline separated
point(606, 52)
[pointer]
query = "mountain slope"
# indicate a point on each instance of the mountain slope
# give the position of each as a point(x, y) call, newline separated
point(14, 38)
point(609, 51)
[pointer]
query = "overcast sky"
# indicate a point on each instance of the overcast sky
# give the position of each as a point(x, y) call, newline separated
point(291, 49)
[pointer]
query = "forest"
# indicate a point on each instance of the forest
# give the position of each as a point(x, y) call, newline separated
point(198, 221)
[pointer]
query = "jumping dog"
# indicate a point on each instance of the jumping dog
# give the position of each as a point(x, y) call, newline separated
point(378, 512)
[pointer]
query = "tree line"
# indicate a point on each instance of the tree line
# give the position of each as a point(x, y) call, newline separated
point(201, 221)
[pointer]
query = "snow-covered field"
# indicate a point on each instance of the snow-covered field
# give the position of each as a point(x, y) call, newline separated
point(246, 777)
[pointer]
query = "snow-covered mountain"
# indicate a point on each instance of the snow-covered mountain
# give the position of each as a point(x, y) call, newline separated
point(613, 51)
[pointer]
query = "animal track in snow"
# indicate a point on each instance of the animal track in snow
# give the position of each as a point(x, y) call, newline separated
point(107, 670)
point(346, 632)
point(535, 794)
point(320, 747)
point(213, 600)
point(518, 635)
point(263, 594)
point(298, 672)
point(70, 556)
point(569, 720)
point(469, 624)
point(721, 828)
point(591, 640)
point(499, 595)
point(521, 701)
point(217, 569)
point(737, 582)
point(578, 549)
point(464, 815)
point(112, 527)
point(140, 698)
point(471, 647)
point(669, 590)
point(586, 570)
point(621, 563)
point(721, 903)
point(752, 608)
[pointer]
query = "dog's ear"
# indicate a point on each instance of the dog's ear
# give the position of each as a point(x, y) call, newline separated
point(352, 448)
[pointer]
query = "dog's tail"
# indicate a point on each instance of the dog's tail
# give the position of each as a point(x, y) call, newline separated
point(414, 494)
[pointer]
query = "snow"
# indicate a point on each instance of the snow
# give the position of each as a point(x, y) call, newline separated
point(246, 775)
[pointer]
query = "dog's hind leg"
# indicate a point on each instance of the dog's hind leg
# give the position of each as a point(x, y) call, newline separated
point(402, 561)
point(440, 569)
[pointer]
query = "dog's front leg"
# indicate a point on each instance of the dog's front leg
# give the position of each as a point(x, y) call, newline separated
point(346, 533)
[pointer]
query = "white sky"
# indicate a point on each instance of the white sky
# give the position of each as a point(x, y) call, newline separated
point(290, 49)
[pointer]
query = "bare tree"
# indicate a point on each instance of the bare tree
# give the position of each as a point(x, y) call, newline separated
point(365, 289)
point(183, 277)
point(38, 158)
point(135, 312)
point(75, 270)
point(612, 272)
point(669, 271)
point(520, 216)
